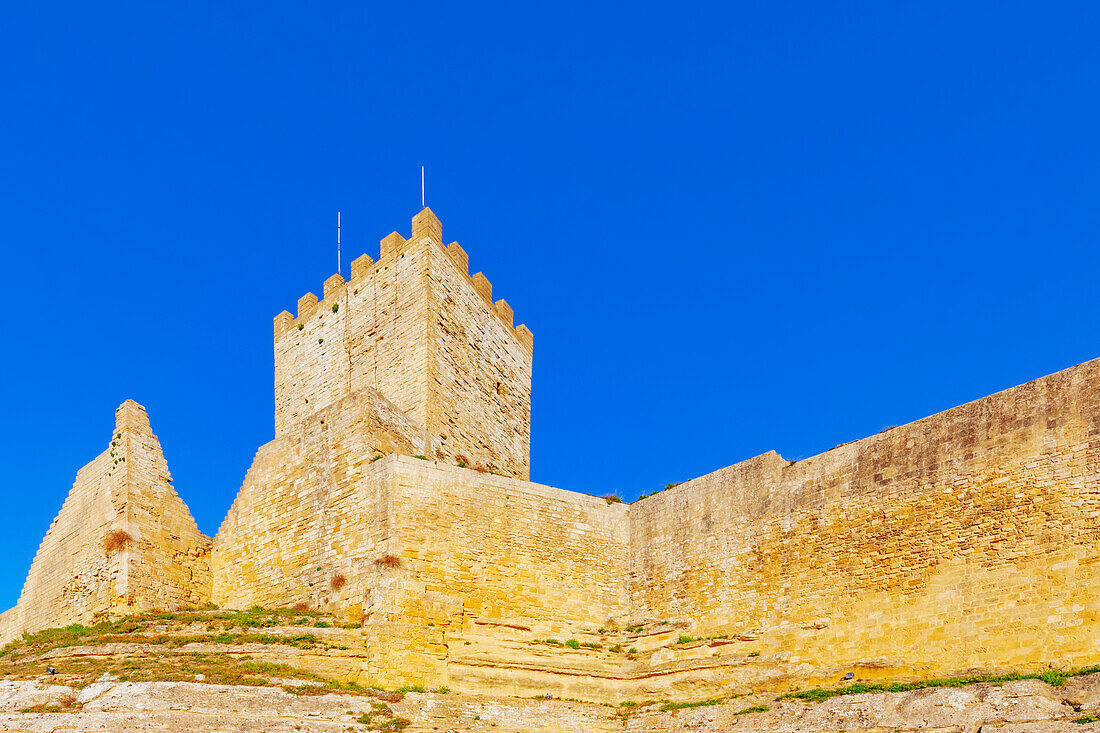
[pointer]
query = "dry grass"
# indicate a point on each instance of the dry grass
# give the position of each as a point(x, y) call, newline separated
point(160, 654)
point(116, 540)
point(338, 581)
point(388, 561)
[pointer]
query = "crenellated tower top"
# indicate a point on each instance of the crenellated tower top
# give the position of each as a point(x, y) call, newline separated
point(416, 326)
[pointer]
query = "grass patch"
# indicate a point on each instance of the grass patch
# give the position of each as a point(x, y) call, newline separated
point(1052, 677)
point(753, 709)
point(700, 704)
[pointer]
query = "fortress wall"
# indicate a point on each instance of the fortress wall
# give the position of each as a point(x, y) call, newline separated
point(967, 539)
point(481, 402)
point(160, 561)
point(312, 506)
point(511, 550)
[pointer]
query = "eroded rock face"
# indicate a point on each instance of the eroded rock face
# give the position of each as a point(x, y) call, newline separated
point(1027, 706)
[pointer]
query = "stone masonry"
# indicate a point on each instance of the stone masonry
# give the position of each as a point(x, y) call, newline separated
point(395, 494)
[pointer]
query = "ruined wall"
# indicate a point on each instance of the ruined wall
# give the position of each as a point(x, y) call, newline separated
point(167, 559)
point(428, 337)
point(160, 561)
point(967, 539)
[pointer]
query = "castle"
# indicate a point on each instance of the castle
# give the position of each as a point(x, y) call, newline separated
point(396, 495)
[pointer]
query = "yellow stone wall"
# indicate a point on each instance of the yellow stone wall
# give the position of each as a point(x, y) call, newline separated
point(511, 550)
point(312, 506)
point(163, 561)
point(969, 539)
point(418, 329)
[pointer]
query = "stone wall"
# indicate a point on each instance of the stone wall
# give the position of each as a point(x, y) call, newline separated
point(413, 549)
point(422, 332)
point(122, 540)
point(511, 550)
point(968, 539)
point(312, 506)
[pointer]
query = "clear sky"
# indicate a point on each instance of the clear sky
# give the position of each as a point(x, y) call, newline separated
point(732, 228)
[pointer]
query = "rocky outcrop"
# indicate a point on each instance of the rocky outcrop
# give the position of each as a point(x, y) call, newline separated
point(1026, 706)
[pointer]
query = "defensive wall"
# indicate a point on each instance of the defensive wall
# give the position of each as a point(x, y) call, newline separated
point(969, 540)
point(966, 540)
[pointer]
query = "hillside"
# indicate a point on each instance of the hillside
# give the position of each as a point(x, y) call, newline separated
point(289, 670)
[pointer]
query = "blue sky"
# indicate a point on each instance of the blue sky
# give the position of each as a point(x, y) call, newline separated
point(732, 227)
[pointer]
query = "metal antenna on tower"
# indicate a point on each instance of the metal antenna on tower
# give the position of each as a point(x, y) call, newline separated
point(422, 187)
point(338, 242)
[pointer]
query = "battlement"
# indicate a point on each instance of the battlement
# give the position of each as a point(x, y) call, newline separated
point(416, 326)
point(425, 227)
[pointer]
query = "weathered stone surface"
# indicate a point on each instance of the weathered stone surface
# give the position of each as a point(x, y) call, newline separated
point(1027, 706)
point(20, 695)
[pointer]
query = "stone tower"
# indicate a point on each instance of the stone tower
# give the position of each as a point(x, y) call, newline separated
point(416, 327)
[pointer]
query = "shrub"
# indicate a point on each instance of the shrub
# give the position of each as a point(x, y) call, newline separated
point(632, 650)
point(388, 561)
point(612, 499)
point(753, 709)
point(116, 540)
point(301, 326)
point(462, 464)
point(375, 459)
point(684, 640)
point(338, 581)
point(754, 654)
point(1053, 677)
point(573, 644)
point(423, 458)
point(335, 307)
point(617, 648)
